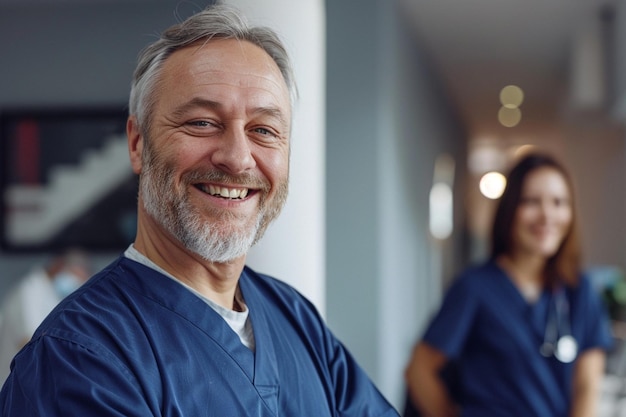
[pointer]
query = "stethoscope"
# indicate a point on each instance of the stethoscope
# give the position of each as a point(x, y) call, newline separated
point(558, 340)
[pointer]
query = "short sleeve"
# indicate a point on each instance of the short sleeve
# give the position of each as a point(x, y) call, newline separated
point(90, 382)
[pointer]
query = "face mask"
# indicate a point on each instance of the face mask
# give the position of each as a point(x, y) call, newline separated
point(65, 283)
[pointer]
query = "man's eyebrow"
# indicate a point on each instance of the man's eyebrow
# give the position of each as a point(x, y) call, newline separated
point(273, 112)
point(195, 103)
point(198, 102)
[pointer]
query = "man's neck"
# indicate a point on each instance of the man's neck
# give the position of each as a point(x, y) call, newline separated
point(215, 281)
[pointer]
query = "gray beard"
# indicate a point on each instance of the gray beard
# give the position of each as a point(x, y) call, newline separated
point(205, 239)
point(213, 241)
point(217, 241)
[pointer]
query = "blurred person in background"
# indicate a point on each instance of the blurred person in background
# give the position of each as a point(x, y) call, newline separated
point(29, 301)
point(523, 334)
point(179, 325)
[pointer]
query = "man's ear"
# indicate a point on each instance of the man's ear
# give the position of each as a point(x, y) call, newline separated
point(135, 143)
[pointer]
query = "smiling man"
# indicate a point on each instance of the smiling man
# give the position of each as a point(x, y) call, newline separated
point(178, 325)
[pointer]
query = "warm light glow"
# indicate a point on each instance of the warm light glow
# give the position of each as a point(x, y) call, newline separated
point(441, 211)
point(511, 96)
point(492, 185)
point(523, 150)
point(509, 117)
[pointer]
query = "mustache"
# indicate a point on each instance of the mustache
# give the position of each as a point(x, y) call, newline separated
point(244, 180)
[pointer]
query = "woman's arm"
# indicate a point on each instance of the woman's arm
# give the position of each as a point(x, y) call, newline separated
point(427, 390)
point(588, 373)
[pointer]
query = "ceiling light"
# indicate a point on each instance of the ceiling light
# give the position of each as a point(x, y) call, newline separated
point(492, 185)
point(509, 117)
point(511, 96)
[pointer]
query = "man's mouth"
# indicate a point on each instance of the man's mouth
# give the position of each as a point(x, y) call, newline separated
point(224, 192)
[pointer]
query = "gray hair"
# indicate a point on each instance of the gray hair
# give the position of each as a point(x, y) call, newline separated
point(214, 22)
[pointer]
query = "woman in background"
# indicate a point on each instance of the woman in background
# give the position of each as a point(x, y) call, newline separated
point(524, 332)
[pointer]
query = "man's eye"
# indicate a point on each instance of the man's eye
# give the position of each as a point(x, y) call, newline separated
point(263, 131)
point(200, 123)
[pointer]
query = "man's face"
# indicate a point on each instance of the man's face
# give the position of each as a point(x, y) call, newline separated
point(215, 167)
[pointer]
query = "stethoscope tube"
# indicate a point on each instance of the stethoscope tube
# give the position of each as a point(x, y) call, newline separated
point(558, 340)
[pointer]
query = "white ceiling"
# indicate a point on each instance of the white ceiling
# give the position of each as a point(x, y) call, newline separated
point(479, 46)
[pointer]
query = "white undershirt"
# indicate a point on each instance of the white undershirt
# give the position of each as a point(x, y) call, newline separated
point(237, 320)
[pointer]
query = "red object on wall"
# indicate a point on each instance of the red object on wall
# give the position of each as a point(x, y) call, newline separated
point(27, 152)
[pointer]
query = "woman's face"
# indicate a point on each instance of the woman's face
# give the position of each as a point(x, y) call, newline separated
point(544, 214)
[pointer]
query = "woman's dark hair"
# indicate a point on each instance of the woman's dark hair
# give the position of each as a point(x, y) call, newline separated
point(564, 266)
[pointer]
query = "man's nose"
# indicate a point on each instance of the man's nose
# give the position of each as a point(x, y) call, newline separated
point(233, 153)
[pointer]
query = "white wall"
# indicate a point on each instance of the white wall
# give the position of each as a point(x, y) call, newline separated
point(71, 54)
point(294, 246)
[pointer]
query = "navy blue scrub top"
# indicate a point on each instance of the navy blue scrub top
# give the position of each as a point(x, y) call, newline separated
point(133, 342)
point(493, 336)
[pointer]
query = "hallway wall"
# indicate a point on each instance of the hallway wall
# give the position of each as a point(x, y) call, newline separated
point(388, 120)
point(71, 55)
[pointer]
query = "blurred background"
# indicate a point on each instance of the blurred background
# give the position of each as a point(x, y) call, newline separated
point(404, 106)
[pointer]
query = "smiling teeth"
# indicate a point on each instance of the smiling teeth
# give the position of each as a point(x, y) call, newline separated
point(226, 192)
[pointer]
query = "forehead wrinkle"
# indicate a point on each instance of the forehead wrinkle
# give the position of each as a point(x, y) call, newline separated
point(245, 53)
point(236, 78)
point(257, 84)
point(203, 70)
point(276, 78)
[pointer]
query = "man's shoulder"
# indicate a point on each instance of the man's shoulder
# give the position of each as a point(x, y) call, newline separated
point(113, 290)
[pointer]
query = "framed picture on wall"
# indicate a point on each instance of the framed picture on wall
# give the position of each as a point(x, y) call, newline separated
point(65, 180)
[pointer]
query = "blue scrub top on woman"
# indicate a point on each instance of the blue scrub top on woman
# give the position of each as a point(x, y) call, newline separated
point(493, 336)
